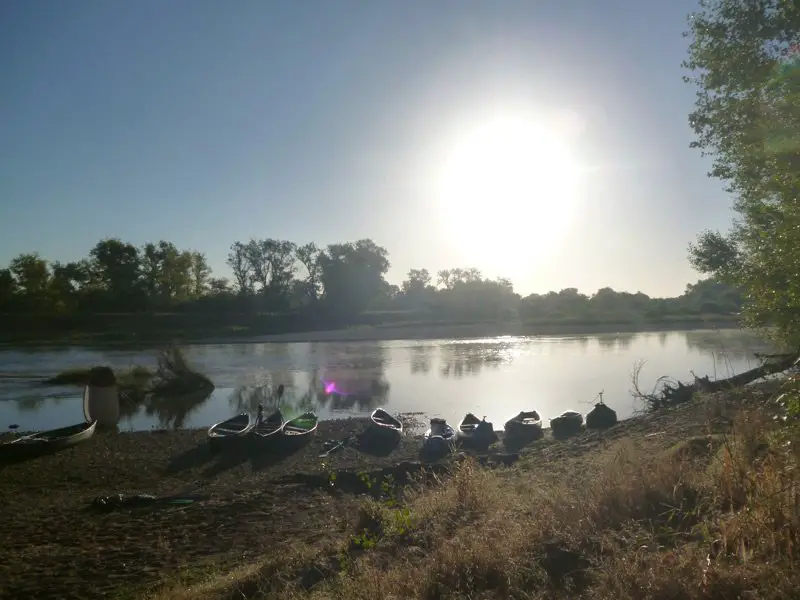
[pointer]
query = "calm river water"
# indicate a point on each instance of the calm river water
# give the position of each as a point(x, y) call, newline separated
point(496, 377)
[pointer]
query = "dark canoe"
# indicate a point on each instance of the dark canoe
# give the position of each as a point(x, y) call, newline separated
point(269, 428)
point(475, 431)
point(300, 428)
point(468, 425)
point(567, 422)
point(601, 417)
point(49, 441)
point(527, 424)
point(385, 423)
point(235, 428)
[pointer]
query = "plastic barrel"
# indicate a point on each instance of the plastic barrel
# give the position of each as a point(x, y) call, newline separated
point(101, 397)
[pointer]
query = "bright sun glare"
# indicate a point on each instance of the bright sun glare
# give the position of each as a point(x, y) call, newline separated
point(507, 190)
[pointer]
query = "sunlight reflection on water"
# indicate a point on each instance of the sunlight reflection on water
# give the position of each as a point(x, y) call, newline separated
point(497, 377)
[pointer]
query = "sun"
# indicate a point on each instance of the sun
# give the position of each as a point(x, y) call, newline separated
point(506, 190)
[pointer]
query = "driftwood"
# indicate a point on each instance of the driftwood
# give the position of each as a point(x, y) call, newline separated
point(667, 392)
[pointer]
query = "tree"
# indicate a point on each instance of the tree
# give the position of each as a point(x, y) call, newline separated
point(151, 270)
point(747, 117)
point(308, 255)
point(280, 256)
point(240, 266)
point(8, 290)
point(116, 267)
point(201, 273)
point(352, 274)
point(175, 280)
point(31, 275)
point(69, 282)
point(417, 282)
point(219, 285)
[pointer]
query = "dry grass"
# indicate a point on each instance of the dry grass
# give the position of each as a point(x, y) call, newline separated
point(716, 516)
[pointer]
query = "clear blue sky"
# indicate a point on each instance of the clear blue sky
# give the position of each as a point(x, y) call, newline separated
point(205, 122)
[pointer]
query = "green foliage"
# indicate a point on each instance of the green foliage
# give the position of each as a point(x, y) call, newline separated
point(342, 283)
point(747, 118)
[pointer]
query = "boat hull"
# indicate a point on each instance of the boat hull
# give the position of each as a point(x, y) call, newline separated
point(48, 441)
point(519, 430)
point(230, 433)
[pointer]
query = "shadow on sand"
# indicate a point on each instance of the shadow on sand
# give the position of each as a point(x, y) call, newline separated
point(374, 444)
point(228, 457)
point(189, 459)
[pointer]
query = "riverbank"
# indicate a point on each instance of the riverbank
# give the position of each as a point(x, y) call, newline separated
point(139, 331)
point(611, 514)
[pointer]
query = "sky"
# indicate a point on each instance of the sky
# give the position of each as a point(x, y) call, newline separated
point(547, 141)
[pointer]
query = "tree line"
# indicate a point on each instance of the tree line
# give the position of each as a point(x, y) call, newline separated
point(279, 276)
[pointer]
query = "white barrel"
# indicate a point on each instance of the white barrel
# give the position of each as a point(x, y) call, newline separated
point(101, 397)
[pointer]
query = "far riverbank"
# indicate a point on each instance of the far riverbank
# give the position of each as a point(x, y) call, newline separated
point(162, 329)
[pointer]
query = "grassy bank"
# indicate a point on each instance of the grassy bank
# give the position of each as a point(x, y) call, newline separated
point(693, 502)
point(148, 329)
point(700, 503)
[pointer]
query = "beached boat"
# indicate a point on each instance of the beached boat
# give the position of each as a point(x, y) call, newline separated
point(385, 424)
point(300, 428)
point(270, 428)
point(601, 417)
point(567, 423)
point(439, 436)
point(49, 441)
point(234, 429)
point(472, 430)
point(527, 425)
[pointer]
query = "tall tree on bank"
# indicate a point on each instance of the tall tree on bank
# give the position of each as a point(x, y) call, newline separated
point(747, 118)
point(352, 275)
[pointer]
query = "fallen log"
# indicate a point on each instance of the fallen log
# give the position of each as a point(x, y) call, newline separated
point(669, 393)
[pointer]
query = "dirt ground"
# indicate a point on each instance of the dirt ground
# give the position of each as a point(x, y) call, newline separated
point(55, 545)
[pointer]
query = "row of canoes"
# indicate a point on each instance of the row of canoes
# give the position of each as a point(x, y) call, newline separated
point(264, 429)
point(526, 425)
point(523, 427)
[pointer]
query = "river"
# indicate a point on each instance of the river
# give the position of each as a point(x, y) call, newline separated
point(496, 377)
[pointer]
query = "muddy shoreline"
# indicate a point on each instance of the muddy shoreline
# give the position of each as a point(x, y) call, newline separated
point(56, 546)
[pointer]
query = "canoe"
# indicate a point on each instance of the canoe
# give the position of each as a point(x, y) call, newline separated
point(49, 441)
point(471, 429)
point(439, 436)
point(235, 428)
point(269, 428)
point(300, 428)
point(601, 417)
point(566, 423)
point(526, 425)
point(385, 424)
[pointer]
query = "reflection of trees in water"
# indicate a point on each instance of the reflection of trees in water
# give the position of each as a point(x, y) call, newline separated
point(421, 358)
point(615, 341)
point(731, 345)
point(171, 410)
point(246, 398)
point(352, 379)
point(662, 338)
point(35, 403)
point(469, 359)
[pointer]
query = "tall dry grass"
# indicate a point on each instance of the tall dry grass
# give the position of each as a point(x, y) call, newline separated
point(717, 516)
